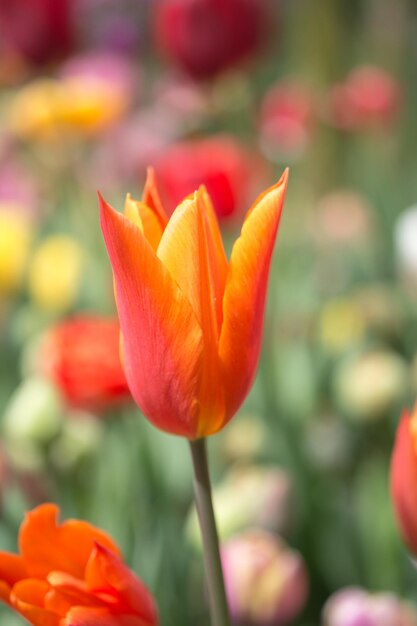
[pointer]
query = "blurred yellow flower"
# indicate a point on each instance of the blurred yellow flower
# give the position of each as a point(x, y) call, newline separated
point(341, 324)
point(47, 107)
point(91, 105)
point(15, 237)
point(368, 385)
point(55, 273)
point(34, 110)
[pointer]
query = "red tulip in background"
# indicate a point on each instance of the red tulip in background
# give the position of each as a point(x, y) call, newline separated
point(368, 96)
point(205, 37)
point(37, 30)
point(404, 478)
point(220, 163)
point(191, 320)
point(81, 355)
point(71, 574)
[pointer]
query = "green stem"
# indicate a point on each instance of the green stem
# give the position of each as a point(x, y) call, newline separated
point(214, 575)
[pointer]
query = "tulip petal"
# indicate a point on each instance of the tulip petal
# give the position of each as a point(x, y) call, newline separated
point(5, 592)
point(149, 223)
point(404, 481)
point(164, 348)
point(218, 263)
point(245, 295)
point(87, 616)
point(190, 252)
point(107, 574)
point(28, 598)
point(46, 546)
point(12, 568)
point(151, 198)
point(72, 589)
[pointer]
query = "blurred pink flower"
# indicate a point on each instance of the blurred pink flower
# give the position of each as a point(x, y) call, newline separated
point(369, 96)
point(205, 37)
point(106, 67)
point(286, 120)
point(354, 606)
point(229, 171)
point(266, 582)
point(18, 188)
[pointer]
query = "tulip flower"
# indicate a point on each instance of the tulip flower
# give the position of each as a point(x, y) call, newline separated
point(353, 606)
point(404, 478)
point(228, 171)
point(205, 37)
point(81, 356)
point(191, 321)
point(266, 581)
point(71, 574)
point(37, 30)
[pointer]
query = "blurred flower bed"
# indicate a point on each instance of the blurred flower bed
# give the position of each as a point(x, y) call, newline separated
point(92, 92)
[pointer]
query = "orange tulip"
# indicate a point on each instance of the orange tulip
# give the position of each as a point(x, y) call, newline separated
point(191, 321)
point(404, 478)
point(71, 574)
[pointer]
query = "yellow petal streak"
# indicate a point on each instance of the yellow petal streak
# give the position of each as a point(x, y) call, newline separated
point(190, 252)
point(151, 198)
point(143, 216)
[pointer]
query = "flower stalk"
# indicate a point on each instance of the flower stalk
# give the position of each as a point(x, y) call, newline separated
point(214, 574)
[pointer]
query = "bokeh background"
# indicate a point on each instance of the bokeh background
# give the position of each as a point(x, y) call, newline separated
point(226, 93)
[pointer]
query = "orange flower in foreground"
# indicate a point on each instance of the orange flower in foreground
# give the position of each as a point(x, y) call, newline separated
point(404, 478)
point(81, 355)
point(191, 321)
point(71, 575)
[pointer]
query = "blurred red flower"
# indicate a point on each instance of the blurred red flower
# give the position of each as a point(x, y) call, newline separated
point(368, 96)
point(205, 37)
point(71, 574)
point(404, 479)
point(224, 166)
point(37, 30)
point(81, 356)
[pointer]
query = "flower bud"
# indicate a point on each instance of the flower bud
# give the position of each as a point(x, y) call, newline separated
point(266, 582)
point(404, 479)
point(356, 607)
